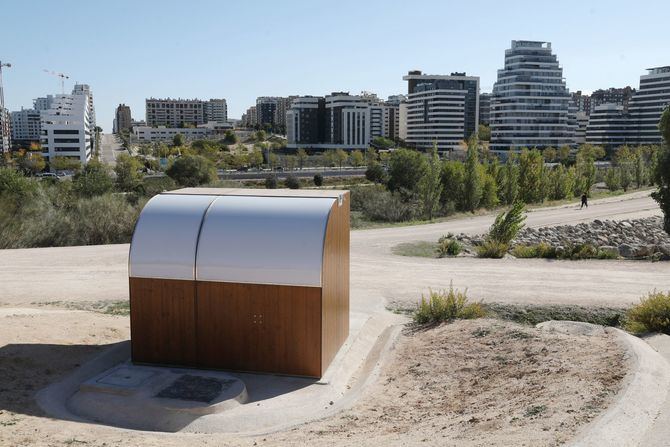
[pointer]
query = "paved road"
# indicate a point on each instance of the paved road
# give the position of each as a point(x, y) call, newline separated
point(110, 147)
point(100, 272)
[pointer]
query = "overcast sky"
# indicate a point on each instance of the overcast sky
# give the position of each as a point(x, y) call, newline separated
point(130, 50)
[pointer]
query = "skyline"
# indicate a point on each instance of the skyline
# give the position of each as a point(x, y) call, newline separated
point(260, 51)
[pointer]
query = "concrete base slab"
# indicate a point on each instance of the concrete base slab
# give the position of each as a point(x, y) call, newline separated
point(156, 398)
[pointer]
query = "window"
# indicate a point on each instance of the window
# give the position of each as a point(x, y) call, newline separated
point(66, 132)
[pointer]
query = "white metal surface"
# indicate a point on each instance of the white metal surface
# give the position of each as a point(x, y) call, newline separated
point(166, 236)
point(264, 240)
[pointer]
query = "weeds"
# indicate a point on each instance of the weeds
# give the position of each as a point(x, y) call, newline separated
point(446, 305)
point(492, 249)
point(652, 314)
point(446, 246)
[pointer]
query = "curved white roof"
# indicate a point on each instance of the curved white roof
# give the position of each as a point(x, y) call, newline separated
point(166, 237)
point(263, 240)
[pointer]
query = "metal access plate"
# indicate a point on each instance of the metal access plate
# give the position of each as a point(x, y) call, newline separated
point(126, 377)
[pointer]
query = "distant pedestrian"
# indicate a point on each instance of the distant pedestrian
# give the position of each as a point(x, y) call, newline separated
point(585, 201)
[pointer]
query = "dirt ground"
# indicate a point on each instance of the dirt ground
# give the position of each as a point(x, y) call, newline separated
point(470, 383)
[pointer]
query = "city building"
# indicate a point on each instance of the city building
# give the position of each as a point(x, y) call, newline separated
point(347, 121)
point(175, 112)
point(392, 116)
point(250, 119)
point(216, 110)
point(530, 101)
point(484, 108)
point(43, 103)
point(648, 103)
point(5, 130)
point(610, 127)
point(306, 122)
point(582, 123)
point(581, 102)
point(123, 121)
point(441, 109)
point(161, 133)
point(68, 126)
point(25, 127)
point(266, 108)
point(620, 96)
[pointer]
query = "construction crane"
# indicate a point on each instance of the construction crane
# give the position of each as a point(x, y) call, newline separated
point(2, 92)
point(62, 77)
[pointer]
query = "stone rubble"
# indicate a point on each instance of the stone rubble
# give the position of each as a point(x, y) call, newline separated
point(630, 238)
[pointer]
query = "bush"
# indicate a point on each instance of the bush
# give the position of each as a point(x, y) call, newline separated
point(446, 306)
point(541, 250)
point(376, 173)
point(651, 315)
point(492, 249)
point(508, 224)
point(271, 182)
point(380, 205)
point(192, 170)
point(292, 182)
point(93, 180)
point(446, 246)
point(318, 180)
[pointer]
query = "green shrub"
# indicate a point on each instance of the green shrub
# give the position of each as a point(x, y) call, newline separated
point(292, 182)
point(508, 224)
point(652, 314)
point(379, 205)
point(376, 173)
point(192, 170)
point(492, 249)
point(541, 250)
point(318, 179)
point(271, 182)
point(446, 305)
point(446, 246)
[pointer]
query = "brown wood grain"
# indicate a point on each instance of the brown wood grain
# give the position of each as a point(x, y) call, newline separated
point(162, 321)
point(335, 282)
point(256, 327)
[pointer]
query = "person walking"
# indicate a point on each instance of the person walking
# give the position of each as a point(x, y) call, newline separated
point(585, 201)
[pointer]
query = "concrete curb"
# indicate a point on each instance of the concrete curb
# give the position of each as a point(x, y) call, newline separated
point(638, 404)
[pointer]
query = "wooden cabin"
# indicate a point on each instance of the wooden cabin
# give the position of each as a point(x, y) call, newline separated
point(241, 279)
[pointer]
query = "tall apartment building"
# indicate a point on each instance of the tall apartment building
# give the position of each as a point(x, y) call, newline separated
point(582, 123)
point(648, 103)
point(68, 126)
point(123, 120)
point(610, 127)
point(347, 121)
point(25, 126)
point(581, 102)
point(173, 113)
point(306, 122)
point(250, 118)
point(530, 102)
point(441, 109)
point(620, 96)
point(266, 108)
point(43, 103)
point(484, 108)
point(216, 110)
point(392, 116)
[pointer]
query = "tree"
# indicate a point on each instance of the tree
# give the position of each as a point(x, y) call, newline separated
point(371, 155)
point(128, 174)
point(473, 180)
point(430, 186)
point(273, 160)
point(662, 171)
point(563, 154)
point(489, 197)
point(302, 157)
point(509, 181)
point(93, 180)
point(585, 169)
point(192, 170)
point(329, 158)
point(31, 162)
point(261, 136)
point(178, 140)
point(406, 168)
point(453, 181)
point(375, 173)
point(341, 157)
point(484, 133)
point(229, 137)
point(383, 143)
point(65, 164)
point(256, 159)
point(318, 179)
point(560, 182)
point(531, 176)
point(613, 179)
point(550, 154)
point(357, 158)
point(640, 168)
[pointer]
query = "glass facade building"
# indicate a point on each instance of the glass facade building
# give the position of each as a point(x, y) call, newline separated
point(648, 104)
point(530, 104)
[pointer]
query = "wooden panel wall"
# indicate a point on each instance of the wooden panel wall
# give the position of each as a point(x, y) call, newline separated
point(256, 327)
point(335, 282)
point(162, 321)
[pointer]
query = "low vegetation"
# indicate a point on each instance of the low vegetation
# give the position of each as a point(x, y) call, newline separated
point(448, 246)
point(572, 252)
point(446, 305)
point(504, 229)
point(652, 314)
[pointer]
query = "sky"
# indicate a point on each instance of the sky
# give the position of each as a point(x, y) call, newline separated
point(131, 50)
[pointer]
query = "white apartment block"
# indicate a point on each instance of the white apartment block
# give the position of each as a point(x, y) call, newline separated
point(68, 127)
point(216, 110)
point(347, 121)
point(150, 134)
point(26, 125)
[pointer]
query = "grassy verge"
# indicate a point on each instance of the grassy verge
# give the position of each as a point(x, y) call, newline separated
point(532, 314)
point(423, 249)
